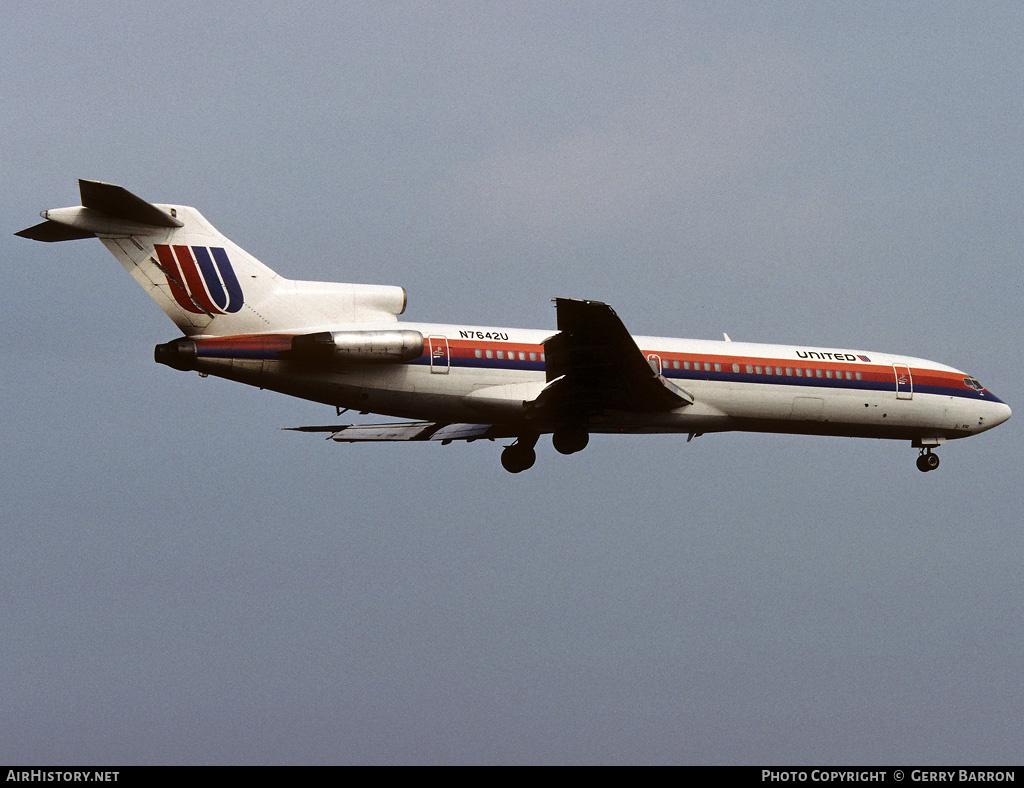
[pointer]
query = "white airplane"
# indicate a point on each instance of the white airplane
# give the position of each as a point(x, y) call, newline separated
point(342, 344)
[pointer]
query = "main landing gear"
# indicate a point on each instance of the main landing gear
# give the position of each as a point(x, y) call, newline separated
point(926, 461)
point(569, 440)
point(520, 455)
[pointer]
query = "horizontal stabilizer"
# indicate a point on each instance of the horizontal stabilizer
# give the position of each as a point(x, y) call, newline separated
point(105, 209)
point(411, 431)
point(119, 203)
point(52, 231)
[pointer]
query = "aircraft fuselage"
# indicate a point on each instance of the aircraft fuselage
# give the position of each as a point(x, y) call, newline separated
point(488, 374)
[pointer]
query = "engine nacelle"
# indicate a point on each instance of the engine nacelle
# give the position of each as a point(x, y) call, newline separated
point(359, 347)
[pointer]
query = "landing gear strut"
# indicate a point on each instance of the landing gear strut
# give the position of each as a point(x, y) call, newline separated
point(926, 461)
point(520, 455)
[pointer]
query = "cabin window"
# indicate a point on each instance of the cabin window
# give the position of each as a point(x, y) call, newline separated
point(686, 365)
point(718, 367)
point(501, 354)
point(533, 356)
point(478, 353)
point(799, 372)
point(789, 370)
point(859, 376)
point(541, 356)
point(828, 373)
point(675, 364)
point(735, 367)
point(757, 369)
point(490, 353)
point(817, 373)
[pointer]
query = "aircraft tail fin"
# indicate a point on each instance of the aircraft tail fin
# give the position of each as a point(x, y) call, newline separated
point(205, 283)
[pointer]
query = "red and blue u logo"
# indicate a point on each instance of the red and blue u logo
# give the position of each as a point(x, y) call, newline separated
point(201, 278)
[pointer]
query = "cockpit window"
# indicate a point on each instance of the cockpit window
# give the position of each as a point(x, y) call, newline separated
point(972, 383)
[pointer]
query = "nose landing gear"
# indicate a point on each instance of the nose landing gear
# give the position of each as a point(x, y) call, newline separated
point(926, 461)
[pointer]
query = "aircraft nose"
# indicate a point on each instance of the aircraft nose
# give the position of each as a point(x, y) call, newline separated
point(992, 414)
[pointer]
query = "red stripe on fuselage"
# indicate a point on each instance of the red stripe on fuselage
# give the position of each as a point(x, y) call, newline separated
point(267, 342)
point(875, 373)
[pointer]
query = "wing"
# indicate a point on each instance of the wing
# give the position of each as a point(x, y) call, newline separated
point(411, 431)
point(594, 364)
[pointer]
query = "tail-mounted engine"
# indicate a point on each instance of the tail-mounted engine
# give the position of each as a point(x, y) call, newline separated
point(323, 348)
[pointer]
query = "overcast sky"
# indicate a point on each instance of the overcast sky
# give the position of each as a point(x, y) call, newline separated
point(184, 583)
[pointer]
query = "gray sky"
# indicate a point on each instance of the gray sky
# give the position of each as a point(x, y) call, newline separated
point(184, 583)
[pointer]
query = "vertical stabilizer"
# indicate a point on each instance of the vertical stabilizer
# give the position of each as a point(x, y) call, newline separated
point(205, 283)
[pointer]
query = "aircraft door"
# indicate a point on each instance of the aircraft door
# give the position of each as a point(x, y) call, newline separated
point(440, 360)
point(655, 361)
point(904, 381)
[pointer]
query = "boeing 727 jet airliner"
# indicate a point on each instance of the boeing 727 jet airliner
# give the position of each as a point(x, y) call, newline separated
point(342, 344)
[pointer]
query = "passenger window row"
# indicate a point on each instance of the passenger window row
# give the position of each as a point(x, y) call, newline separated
point(510, 354)
point(696, 366)
point(759, 369)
